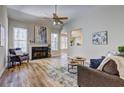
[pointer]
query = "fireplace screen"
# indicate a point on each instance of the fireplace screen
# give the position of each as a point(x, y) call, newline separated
point(39, 52)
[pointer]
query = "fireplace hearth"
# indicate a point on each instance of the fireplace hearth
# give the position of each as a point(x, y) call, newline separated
point(39, 52)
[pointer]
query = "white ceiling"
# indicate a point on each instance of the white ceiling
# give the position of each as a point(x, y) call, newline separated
point(34, 12)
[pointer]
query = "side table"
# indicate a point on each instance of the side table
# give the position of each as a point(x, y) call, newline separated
point(74, 62)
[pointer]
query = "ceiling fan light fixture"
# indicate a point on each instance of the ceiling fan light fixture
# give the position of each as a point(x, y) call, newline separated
point(56, 22)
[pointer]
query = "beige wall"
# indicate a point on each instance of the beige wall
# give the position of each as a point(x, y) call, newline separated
point(99, 18)
point(4, 50)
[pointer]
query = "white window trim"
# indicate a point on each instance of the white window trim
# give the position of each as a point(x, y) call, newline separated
point(57, 42)
point(20, 40)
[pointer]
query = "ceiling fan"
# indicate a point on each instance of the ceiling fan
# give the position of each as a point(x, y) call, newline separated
point(57, 19)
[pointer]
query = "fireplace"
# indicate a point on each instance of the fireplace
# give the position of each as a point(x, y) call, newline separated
point(39, 52)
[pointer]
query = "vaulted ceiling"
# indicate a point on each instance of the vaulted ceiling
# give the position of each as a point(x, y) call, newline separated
point(37, 12)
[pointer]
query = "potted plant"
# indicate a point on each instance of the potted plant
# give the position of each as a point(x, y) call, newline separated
point(121, 49)
point(72, 41)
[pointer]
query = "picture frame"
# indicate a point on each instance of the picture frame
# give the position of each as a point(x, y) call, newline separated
point(100, 38)
point(40, 34)
point(2, 35)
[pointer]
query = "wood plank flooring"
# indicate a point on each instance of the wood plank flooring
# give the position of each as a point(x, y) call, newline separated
point(32, 74)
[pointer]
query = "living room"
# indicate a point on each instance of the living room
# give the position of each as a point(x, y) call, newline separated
point(92, 22)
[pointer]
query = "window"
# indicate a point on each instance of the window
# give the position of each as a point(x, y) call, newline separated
point(20, 38)
point(64, 42)
point(76, 37)
point(54, 41)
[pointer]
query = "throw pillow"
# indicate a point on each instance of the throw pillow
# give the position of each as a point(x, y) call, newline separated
point(18, 52)
point(111, 68)
point(94, 63)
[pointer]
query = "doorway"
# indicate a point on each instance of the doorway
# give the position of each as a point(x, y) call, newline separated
point(64, 43)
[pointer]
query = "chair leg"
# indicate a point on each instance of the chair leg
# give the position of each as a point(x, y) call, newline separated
point(28, 61)
point(9, 64)
point(12, 63)
point(20, 62)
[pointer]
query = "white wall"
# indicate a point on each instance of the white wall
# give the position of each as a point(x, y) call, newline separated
point(14, 23)
point(30, 26)
point(99, 18)
point(4, 50)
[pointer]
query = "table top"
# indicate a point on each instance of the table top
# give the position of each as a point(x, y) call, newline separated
point(77, 58)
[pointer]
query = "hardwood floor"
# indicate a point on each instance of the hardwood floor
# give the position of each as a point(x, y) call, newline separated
point(32, 74)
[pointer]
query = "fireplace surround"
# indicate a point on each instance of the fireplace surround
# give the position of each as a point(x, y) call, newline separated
point(39, 52)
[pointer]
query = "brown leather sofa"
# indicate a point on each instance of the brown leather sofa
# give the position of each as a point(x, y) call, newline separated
point(89, 77)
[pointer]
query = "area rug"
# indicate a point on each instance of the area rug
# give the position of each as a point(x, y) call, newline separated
point(61, 75)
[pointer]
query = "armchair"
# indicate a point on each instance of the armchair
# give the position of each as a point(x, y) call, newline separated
point(14, 56)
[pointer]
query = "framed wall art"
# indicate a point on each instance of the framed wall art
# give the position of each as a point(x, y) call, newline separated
point(2, 35)
point(40, 35)
point(100, 38)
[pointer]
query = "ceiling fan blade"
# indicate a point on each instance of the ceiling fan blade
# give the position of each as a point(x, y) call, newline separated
point(46, 18)
point(60, 21)
point(62, 18)
point(55, 17)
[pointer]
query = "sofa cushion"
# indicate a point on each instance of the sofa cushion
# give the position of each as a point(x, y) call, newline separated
point(111, 68)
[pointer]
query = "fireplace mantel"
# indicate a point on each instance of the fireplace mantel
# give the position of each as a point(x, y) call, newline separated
point(38, 45)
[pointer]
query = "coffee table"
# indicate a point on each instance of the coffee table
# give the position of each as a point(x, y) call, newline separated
point(74, 62)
